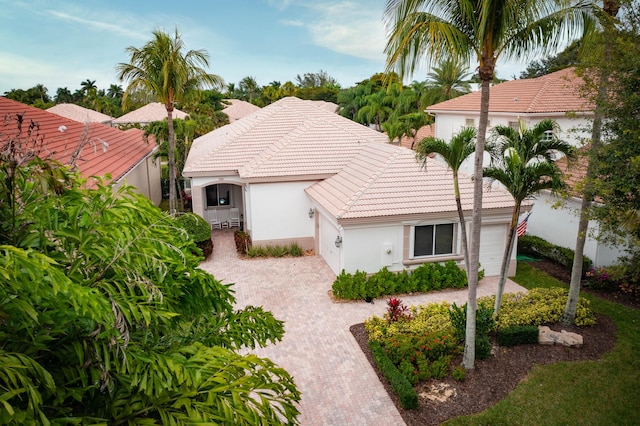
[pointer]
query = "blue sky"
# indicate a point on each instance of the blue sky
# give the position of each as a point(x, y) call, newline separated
point(60, 43)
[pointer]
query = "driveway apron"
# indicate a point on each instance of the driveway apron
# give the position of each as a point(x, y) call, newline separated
point(338, 385)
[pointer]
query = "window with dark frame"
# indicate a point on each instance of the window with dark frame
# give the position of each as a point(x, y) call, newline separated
point(218, 195)
point(433, 240)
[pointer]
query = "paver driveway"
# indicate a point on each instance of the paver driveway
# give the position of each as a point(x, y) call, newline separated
point(338, 385)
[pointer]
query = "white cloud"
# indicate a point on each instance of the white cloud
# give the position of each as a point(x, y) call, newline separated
point(292, 23)
point(350, 28)
point(98, 25)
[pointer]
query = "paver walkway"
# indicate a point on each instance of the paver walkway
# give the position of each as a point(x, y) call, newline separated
point(338, 385)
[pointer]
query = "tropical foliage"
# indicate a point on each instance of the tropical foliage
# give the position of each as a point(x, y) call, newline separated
point(107, 318)
point(523, 162)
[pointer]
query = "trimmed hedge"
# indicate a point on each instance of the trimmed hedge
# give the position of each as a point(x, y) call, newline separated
point(399, 383)
point(536, 246)
point(198, 230)
point(517, 335)
point(426, 277)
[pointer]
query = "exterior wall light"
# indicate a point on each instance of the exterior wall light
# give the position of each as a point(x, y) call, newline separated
point(311, 212)
point(338, 241)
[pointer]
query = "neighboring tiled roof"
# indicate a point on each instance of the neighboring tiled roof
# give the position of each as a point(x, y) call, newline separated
point(556, 92)
point(238, 109)
point(81, 114)
point(61, 137)
point(574, 172)
point(328, 106)
point(386, 180)
point(289, 138)
point(423, 132)
point(154, 111)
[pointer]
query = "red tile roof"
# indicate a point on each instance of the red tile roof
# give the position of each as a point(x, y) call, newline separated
point(560, 91)
point(107, 151)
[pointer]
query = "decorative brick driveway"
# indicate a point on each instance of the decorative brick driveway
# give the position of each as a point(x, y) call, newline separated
point(338, 385)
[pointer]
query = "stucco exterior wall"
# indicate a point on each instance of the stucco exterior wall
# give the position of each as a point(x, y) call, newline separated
point(559, 226)
point(279, 213)
point(145, 177)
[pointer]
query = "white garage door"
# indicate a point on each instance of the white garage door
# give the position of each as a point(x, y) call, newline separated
point(328, 250)
point(492, 245)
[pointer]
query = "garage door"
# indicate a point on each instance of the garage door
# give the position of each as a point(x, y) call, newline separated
point(328, 250)
point(492, 245)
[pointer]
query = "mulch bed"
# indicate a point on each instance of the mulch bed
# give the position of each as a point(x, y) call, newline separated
point(494, 378)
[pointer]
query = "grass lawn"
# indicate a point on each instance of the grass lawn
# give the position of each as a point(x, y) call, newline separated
point(603, 392)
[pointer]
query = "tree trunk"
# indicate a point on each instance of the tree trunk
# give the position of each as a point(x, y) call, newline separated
point(172, 161)
point(469, 356)
point(463, 225)
point(610, 8)
point(506, 258)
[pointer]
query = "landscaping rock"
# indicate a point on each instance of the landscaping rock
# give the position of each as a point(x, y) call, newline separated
point(547, 336)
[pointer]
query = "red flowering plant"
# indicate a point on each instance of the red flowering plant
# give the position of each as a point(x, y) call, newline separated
point(396, 311)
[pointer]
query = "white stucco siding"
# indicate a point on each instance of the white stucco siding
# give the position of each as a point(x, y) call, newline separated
point(280, 211)
point(559, 226)
point(373, 247)
point(327, 233)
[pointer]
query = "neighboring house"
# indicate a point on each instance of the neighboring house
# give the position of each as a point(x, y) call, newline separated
point(556, 96)
point(556, 218)
point(423, 132)
point(149, 113)
point(326, 105)
point(299, 173)
point(81, 114)
point(237, 109)
point(98, 149)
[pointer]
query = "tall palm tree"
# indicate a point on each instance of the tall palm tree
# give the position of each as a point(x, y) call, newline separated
point(250, 88)
point(63, 95)
point(376, 109)
point(115, 91)
point(448, 80)
point(522, 161)
point(166, 72)
point(461, 146)
point(482, 31)
point(87, 85)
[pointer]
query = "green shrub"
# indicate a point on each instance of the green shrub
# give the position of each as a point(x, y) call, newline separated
point(459, 373)
point(483, 347)
point(536, 307)
point(399, 383)
point(198, 230)
point(292, 249)
point(536, 246)
point(517, 335)
point(485, 324)
point(426, 277)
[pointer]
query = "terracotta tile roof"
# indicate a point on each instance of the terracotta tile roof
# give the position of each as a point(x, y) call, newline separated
point(556, 92)
point(61, 136)
point(423, 132)
point(154, 111)
point(238, 109)
point(81, 114)
point(386, 180)
point(574, 172)
point(289, 138)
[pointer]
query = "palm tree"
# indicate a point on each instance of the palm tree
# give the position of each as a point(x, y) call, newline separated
point(522, 161)
point(250, 87)
point(485, 31)
point(461, 146)
point(165, 71)
point(115, 91)
point(448, 80)
point(87, 85)
point(63, 95)
point(376, 109)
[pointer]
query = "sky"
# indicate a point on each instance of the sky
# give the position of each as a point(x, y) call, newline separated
point(61, 43)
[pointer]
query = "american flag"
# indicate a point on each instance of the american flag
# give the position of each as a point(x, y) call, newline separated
point(522, 226)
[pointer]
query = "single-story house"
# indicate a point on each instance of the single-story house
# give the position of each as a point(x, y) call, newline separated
point(81, 114)
point(299, 173)
point(155, 111)
point(98, 149)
